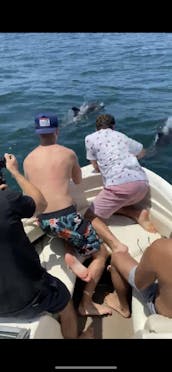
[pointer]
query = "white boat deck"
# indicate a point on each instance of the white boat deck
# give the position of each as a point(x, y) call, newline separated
point(134, 236)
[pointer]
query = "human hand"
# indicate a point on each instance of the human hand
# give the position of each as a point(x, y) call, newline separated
point(3, 186)
point(11, 163)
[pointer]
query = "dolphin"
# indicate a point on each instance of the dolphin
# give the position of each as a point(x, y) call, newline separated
point(86, 108)
point(163, 136)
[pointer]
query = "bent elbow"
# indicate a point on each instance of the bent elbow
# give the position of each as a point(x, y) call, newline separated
point(44, 205)
point(41, 206)
point(77, 180)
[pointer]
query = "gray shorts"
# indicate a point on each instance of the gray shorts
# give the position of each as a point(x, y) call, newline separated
point(148, 294)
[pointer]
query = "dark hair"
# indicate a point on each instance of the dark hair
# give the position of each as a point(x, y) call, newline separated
point(105, 121)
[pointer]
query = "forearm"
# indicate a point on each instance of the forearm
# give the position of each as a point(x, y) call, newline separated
point(30, 190)
point(25, 185)
point(95, 165)
point(77, 179)
point(141, 154)
point(123, 262)
point(76, 172)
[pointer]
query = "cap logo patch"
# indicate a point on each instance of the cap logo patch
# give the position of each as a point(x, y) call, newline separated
point(44, 122)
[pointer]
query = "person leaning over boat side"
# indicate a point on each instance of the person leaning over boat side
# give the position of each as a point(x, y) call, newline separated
point(125, 182)
point(50, 167)
point(26, 289)
point(151, 277)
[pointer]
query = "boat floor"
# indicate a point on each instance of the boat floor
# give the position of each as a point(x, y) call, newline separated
point(104, 327)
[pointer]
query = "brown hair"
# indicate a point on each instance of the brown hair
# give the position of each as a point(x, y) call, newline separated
point(105, 121)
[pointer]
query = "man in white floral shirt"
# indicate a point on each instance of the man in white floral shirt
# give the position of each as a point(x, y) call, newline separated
point(125, 182)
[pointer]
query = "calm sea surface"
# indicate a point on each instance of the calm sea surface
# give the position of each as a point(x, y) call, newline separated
point(130, 72)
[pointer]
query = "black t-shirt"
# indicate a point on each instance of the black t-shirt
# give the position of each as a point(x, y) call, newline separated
point(21, 274)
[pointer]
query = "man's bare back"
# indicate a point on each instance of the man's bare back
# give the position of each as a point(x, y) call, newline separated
point(51, 168)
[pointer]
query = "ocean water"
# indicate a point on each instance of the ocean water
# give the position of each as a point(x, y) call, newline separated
point(130, 72)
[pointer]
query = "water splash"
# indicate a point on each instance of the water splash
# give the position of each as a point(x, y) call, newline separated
point(162, 138)
point(76, 114)
point(164, 133)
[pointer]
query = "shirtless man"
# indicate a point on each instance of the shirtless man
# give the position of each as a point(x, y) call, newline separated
point(155, 265)
point(50, 167)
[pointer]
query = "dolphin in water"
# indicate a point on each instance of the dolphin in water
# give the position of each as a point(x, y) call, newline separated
point(85, 109)
point(164, 133)
point(162, 138)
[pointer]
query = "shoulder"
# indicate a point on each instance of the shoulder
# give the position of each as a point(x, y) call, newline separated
point(155, 251)
point(120, 134)
point(90, 137)
point(68, 153)
point(161, 245)
point(30, 155)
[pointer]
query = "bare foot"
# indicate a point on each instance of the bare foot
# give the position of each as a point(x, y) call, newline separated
point(145, 222)
point(93, 309)
point(140, 216)
point(112, 301)
point(77, 267)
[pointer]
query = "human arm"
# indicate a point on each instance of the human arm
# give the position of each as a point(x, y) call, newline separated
point(95, 165)
point(141, 154)
point(90, 151)
point(146, 271)
point(27, 187)
point(136, 148)
point(76, 170)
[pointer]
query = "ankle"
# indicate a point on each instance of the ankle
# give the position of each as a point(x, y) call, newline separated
point(87, 297)
point(88, 294)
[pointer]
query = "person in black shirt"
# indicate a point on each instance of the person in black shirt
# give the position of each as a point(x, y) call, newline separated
point(26, 288)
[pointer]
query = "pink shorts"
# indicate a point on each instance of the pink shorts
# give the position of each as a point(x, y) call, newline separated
point(113, 198)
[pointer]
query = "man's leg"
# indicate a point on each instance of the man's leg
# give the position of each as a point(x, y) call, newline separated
point(108, 202)
point(69, 325)
point(75, 265)
point(96, 267)
point(104, 232)
point(68, 321)
point(121, 298)
point(121, 265)
point(141, 216)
